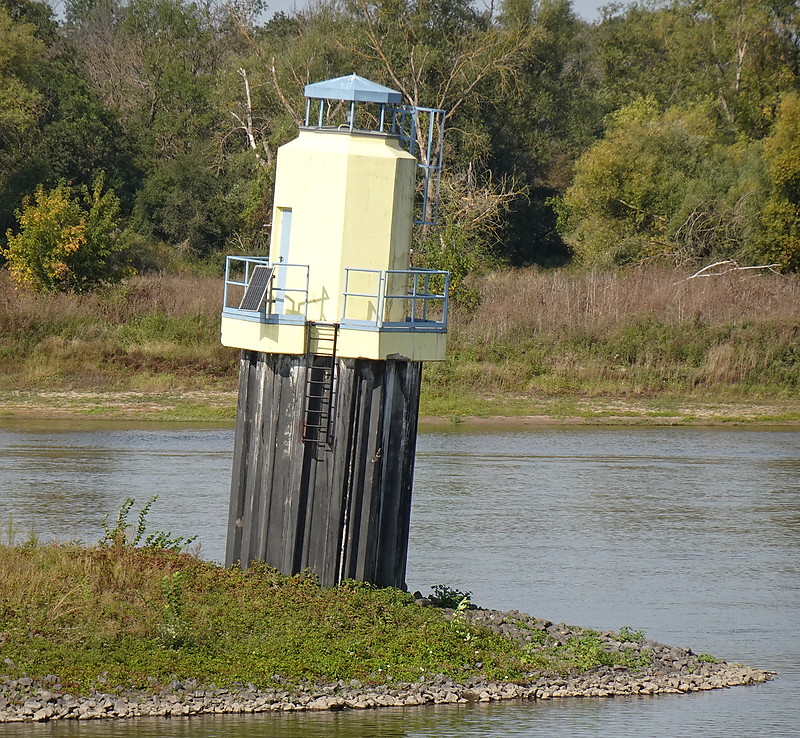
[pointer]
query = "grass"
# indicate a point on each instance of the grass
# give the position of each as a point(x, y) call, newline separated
point(134, 611)
point(579, 653)
point(140, 617)
point(641, 345)
point(137, 615)
point(156, 333)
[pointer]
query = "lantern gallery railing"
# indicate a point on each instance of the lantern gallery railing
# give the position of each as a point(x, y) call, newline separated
point(395, 299)
point(259, 291)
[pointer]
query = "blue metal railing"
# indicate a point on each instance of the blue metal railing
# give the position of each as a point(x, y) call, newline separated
point(423, 129)
point(394, 299)
point(421, 306)
point(286, 304)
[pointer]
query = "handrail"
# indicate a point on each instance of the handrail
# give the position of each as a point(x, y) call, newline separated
point(422, 306)
point(418, 297)
point(376, 296)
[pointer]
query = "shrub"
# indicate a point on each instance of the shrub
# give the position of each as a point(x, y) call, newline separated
point(781, 215)
point(663, 186)
point(67, 241)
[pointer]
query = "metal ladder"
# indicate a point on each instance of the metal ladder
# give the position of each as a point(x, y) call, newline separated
point(319, 410)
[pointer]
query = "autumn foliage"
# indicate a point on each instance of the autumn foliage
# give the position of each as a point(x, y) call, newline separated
point(67, 241)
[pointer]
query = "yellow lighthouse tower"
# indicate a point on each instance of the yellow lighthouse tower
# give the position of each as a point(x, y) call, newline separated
point(333, 327)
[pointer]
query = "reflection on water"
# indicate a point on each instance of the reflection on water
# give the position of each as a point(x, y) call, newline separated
point(687, 716)
point(689, 534)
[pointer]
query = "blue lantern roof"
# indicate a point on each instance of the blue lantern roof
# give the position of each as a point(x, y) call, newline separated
point(353, 88)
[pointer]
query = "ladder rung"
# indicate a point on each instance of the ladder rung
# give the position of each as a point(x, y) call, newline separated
point(321, 380)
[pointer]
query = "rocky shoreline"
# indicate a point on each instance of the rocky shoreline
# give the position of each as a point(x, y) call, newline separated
point(669, 670)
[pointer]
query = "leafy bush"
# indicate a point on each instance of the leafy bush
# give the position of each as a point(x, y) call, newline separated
point(67, 242)
point(781, 215)
point(444, 596)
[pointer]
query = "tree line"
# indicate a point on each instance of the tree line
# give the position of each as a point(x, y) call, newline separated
point(134, 134)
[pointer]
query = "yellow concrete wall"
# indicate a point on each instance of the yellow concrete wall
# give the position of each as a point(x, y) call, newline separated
point(291, 339)
point(351, 196)
point(267, 337)
point(382, 345)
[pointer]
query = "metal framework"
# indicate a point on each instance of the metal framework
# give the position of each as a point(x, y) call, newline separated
point(421, 130)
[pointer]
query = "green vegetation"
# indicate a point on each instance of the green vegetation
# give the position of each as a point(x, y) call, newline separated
point(67, 243)
point(585, 652)
point(136, 612)
point(139, 613)
point(134, 608)
point(581, 652)
point(661, 132)
point(627, 634)
point(123, 536)
point(444, 596)
point(152, 333)
point(663, 137)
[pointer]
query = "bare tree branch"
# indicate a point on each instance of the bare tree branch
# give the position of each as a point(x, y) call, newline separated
point(284, 100)
point(726, 266)
point(246, 125)
point(639, 210)
point(377, 45)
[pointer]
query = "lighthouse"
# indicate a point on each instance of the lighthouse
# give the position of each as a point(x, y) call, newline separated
point(333, 328)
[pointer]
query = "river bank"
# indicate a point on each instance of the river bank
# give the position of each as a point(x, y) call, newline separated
point(669, 670)
point(131, 627)
point(641, 346)
point(217, 405)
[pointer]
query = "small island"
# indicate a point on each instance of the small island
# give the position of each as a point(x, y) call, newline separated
point(134, 627)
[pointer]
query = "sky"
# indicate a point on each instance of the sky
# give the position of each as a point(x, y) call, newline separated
point(589, 10)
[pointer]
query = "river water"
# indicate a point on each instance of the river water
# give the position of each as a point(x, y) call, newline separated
point(689, 534)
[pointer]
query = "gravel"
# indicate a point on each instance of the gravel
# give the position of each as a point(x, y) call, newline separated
point(671, 670)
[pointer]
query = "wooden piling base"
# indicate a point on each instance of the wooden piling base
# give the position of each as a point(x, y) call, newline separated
point(341, 510)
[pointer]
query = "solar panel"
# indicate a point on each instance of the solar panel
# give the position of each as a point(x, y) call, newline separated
point(257, 287)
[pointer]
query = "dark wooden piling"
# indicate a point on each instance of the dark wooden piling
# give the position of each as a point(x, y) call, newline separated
point(340, 509)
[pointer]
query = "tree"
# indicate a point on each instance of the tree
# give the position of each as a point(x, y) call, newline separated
point(182, 202)
point(781, 216)
point(544, 123)
point(52, 126)
point(159, 65)
point(740, 55)
point(67, 241)
point(21, 103)
point(662, 185)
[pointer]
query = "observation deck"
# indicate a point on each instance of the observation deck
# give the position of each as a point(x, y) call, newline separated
point(378, 313)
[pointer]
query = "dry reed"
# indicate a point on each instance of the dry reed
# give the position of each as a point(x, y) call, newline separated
point(530, 301)
point(554, 332)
